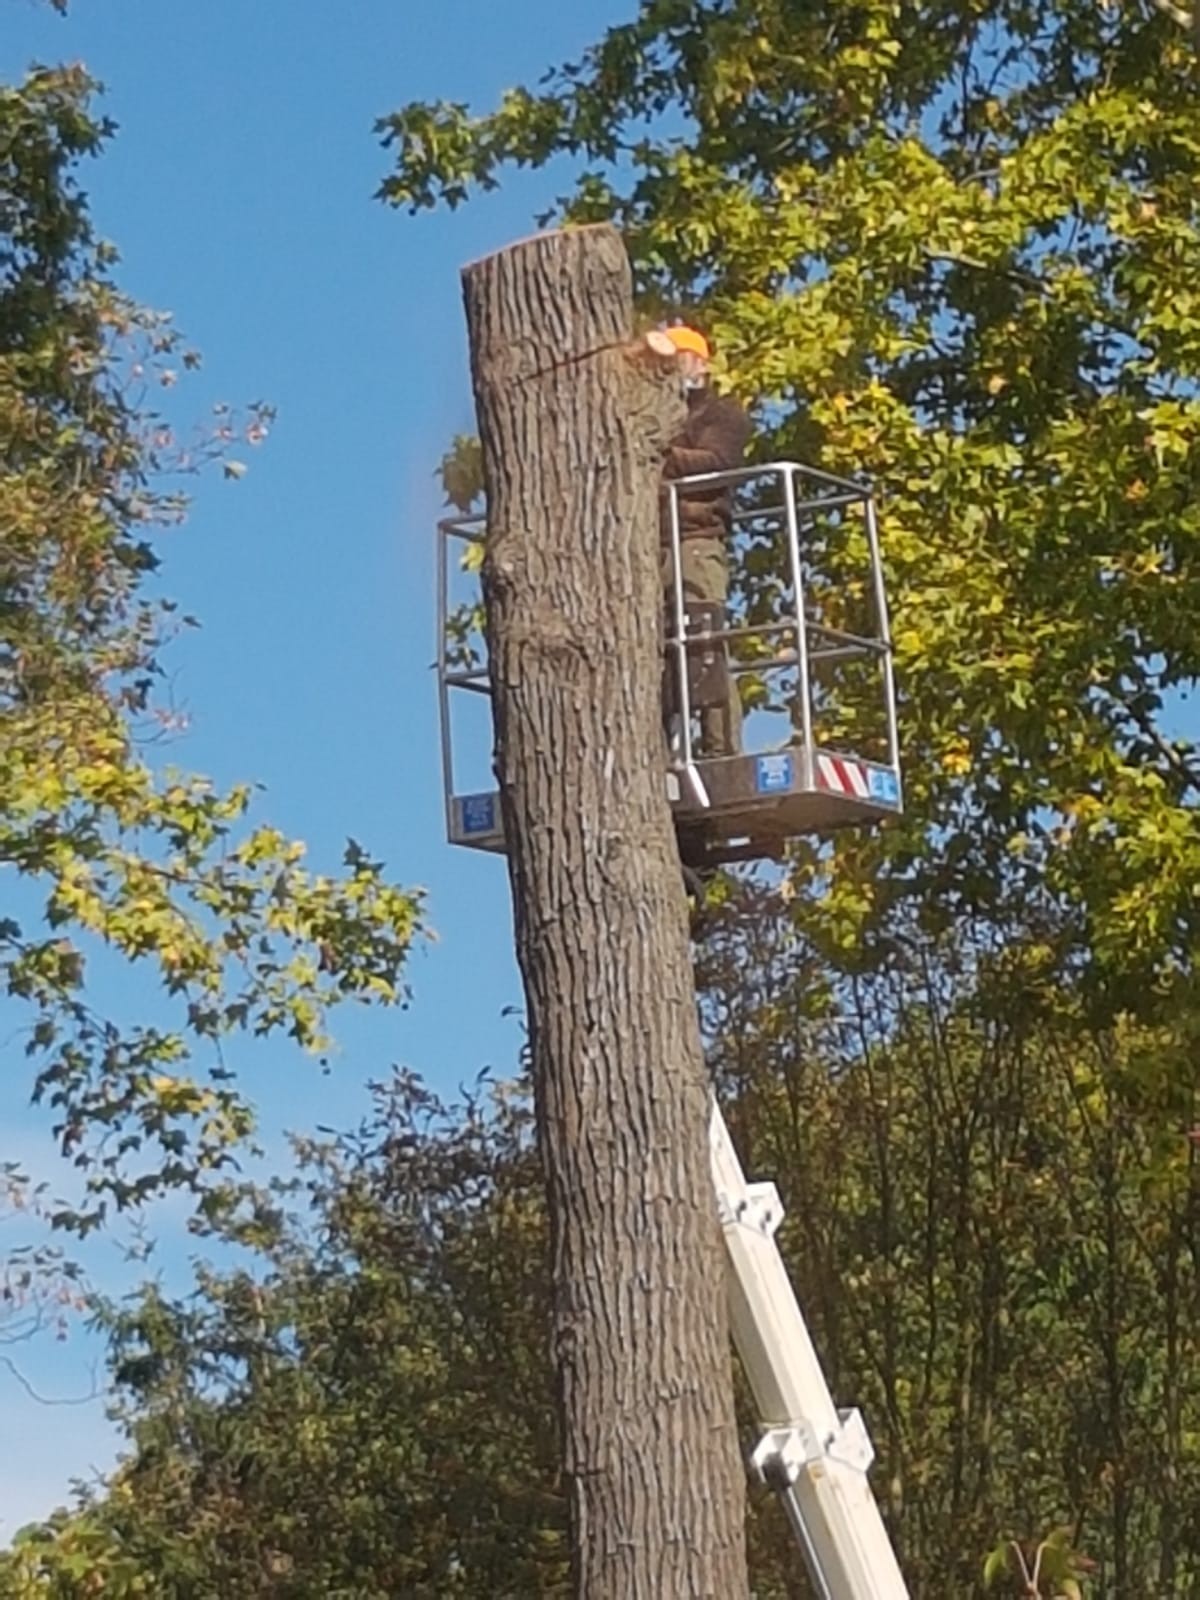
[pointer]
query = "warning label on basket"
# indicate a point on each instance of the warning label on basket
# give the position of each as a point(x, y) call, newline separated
point(883, 785)
point(773, 774)
point(478, 813)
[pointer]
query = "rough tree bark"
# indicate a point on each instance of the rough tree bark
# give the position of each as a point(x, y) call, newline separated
point(574, 417)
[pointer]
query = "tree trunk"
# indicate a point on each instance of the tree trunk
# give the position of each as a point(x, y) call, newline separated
point(574, 418)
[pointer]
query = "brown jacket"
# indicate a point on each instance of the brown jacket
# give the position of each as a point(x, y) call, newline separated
point(713, 439)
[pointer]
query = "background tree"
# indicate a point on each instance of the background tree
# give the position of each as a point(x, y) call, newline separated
point(155, 865)
point(950, 248)
point(991, 1218)
point(954, 248)
point(367, 1409)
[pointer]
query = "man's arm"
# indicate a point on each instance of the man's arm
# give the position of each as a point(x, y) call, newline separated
point(714, 440)
point(722, 433)
point(688, 460)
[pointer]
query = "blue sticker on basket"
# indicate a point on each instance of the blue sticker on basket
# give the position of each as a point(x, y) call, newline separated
point(772, 774)
point(883, 785)
point(479, 813)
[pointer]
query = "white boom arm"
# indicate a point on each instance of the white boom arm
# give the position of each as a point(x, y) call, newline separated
point(814, 1455)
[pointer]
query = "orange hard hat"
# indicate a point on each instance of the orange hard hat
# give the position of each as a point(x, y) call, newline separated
point(684, 338)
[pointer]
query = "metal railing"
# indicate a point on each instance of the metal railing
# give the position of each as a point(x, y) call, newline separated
point(474, 679)
point(814, 640)
point(781, 496)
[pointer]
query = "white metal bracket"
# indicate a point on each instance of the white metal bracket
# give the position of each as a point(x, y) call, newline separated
point(760, 1209)
point(687, 775)
point(782, 1454)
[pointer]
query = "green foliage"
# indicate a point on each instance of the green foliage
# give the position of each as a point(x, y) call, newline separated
point(953, 248)
point(158, 867)
point(367, 1415)
point(992, 1209)
point(950, 248)
point(40, 1291)
point(1051, 1568)
point(461, 473)
point(991, 1221)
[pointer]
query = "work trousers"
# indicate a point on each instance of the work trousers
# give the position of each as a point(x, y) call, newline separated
point(705, 564)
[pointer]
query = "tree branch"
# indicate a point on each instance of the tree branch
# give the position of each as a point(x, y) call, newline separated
point(1185, 19)
point(43, 1399)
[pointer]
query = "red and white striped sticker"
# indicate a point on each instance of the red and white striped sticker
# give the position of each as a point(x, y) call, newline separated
point(840, 776)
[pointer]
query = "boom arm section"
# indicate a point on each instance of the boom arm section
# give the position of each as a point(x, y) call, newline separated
point(815, 1456)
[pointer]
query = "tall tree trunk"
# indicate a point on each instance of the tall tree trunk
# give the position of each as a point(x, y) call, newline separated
point(574, 418)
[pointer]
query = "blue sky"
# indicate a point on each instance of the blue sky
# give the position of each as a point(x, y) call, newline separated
point(239, 192)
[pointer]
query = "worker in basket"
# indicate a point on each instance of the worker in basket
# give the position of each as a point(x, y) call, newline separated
point(713, 439)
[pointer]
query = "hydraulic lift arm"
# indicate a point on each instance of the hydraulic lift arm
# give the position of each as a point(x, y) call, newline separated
point(815, 1456)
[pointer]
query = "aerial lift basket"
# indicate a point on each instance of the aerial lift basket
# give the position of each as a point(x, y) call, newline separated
point(809, 640)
